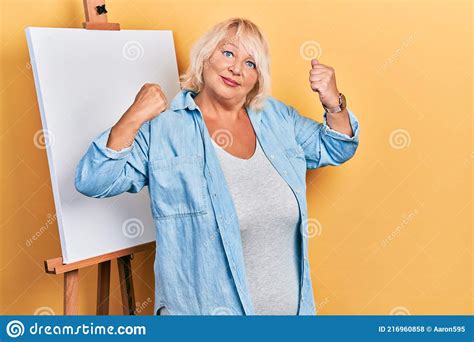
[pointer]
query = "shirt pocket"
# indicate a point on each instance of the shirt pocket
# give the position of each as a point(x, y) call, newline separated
point(296, 157)
point(177, 187)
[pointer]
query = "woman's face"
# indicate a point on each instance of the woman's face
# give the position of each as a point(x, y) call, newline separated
point(230, 60)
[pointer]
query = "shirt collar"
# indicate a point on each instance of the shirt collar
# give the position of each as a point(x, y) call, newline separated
point(184, 99)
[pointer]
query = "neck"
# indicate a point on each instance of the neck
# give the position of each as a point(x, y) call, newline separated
point(217, 108)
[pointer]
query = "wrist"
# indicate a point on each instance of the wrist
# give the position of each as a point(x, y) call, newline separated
point(131, 120)
point(331, 102)
point(340, 106)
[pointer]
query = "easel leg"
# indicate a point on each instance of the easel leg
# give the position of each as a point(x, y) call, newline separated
point(71, 282)
point(126, 285)
point(103, 288)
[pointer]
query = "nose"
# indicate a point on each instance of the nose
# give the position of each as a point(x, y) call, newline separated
point(235, 68)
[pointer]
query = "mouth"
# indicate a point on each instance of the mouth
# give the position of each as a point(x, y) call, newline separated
point(230, 82)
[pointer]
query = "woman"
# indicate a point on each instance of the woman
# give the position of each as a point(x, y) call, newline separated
point(226, 170)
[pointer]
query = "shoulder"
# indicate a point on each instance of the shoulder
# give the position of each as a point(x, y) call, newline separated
point(277, 109)
point(173, 124)
point(170, 117)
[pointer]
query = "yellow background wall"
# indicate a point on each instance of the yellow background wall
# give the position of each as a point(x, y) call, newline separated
point(392, 227)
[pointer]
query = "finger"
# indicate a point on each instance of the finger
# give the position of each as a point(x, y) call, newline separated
point(319, 77)
point(316, 78)
point(314, 62)
point(320, 67)
point(319, 72)
point(321, 84)
point(315, 86)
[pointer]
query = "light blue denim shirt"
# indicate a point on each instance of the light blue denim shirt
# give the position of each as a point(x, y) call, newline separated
point(199, 266)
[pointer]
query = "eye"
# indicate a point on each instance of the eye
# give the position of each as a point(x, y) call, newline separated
point(226, 51)
point(249, 63)
point(252, 64)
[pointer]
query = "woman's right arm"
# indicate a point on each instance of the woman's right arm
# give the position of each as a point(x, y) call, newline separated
point(117, 160)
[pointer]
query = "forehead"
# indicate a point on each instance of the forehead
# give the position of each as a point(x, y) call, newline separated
point(231, 41)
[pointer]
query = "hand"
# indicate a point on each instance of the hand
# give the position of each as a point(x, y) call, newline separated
point(149, 103)
point(323, 81)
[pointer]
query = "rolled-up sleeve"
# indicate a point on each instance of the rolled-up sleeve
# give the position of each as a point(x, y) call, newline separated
point(104, 172)
point(323, 145)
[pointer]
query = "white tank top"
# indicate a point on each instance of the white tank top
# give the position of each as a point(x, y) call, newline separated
point(268, 216)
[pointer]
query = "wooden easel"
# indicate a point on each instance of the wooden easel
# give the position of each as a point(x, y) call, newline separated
point(71, 279)
point(96, 16)
point(96, 19)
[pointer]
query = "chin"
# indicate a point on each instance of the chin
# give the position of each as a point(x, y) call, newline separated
point(224, 91)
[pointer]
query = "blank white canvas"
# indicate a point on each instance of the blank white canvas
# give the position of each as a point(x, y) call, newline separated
point(85, 80)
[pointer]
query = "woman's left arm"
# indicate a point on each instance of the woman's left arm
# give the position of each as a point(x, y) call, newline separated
point(322, 79)
point(321, 144)
point(335, 140)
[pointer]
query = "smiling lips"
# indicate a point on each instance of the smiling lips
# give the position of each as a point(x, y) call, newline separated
point(230, 82)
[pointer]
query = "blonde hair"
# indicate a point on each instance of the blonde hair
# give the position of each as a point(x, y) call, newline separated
point(254, 42)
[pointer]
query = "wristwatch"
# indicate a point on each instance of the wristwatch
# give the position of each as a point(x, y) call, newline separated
point(340, 107)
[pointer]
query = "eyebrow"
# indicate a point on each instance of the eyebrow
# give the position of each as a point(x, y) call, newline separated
point(238, 49)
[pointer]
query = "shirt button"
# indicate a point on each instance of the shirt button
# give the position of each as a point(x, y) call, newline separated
point(285, 172)
point(272, 156)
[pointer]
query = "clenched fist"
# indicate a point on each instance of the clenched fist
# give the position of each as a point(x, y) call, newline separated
point(149, 103)
point(323, 81)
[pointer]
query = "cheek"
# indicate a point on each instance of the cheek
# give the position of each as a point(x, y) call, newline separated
point(251, 80)
point(218, 62)
point(210, 73)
